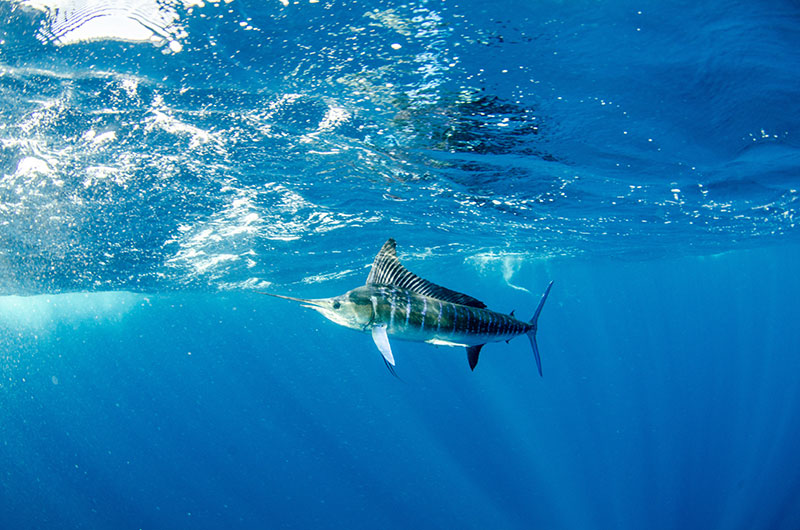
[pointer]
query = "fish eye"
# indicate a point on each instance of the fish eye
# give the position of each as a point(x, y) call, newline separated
point(337, 305)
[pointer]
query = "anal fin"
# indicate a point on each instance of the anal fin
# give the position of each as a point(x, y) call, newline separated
point(382, 342)
point(472, 355)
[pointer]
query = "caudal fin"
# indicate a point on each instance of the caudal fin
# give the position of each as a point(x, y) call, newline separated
point(535, 325)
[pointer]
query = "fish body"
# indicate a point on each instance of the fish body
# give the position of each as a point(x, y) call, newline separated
point(395, 302)
point(415, 317)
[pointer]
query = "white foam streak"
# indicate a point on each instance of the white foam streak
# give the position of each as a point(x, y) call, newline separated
point(161, 118)
point(147, 21)
point(509, 265)
point(334, 117)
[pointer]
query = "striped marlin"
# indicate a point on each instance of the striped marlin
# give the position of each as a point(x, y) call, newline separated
point(396, 302)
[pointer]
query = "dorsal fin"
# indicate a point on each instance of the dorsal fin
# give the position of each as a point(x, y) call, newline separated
point(387, 270)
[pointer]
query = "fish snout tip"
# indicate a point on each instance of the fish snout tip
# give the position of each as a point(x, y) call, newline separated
point(284, 297)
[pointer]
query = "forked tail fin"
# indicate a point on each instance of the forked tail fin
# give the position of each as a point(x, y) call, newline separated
point(535, 325)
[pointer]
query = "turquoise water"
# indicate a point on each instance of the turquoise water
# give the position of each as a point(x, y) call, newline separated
point(161, 166)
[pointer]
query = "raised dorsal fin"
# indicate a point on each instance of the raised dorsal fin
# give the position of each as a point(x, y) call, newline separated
point(387, 270)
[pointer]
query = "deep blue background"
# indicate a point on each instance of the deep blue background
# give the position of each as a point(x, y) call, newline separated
point(669, 399)
point(643, 155)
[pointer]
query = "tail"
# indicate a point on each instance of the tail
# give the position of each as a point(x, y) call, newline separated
point(535, 325)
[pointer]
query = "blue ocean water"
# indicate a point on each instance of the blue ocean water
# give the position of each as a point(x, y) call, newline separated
point(163, 162)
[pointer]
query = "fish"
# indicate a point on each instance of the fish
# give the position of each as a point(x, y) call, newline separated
point(395, 302)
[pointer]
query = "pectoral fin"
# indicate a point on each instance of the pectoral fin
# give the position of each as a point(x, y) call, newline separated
point(382, 342)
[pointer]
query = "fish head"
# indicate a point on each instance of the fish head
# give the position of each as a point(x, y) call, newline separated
point(345, 310)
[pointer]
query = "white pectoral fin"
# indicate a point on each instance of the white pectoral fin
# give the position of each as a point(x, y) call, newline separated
point(382, 342)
